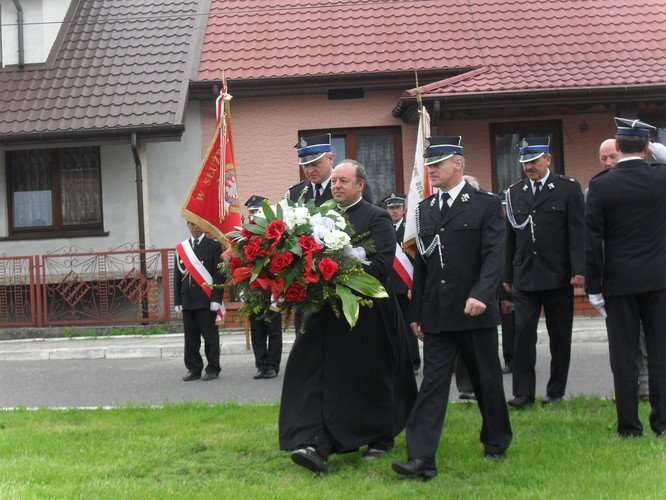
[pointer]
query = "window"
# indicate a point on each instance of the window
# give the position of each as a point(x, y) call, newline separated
point(378, 149)
point(504, 139)
point(54, 190)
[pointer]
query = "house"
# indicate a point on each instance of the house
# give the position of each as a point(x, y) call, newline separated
point(492, 71)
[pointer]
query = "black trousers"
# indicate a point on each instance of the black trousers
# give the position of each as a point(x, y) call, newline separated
point(479, 349)
point(199, 323)
point(625, 314)
point(558, 308)
point(405, 305)
point(267, 341)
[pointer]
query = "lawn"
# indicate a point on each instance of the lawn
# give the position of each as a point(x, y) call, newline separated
point(230, 451)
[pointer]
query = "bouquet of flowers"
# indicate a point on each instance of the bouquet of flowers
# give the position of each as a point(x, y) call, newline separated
point(297, 257)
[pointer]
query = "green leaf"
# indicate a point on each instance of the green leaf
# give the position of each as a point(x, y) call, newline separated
point(259, 268)
point(349, 304)
point(255, 228)
point(268, 211)
point(280, 212)
point(365, 284)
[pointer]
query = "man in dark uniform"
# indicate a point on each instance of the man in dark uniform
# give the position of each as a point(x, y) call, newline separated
point(266, 334)
point(349, 387)
point(543, 262)
point(395, 206)
point(199, 310)
point(315, 157)
point(457, 271)
point(625, 269)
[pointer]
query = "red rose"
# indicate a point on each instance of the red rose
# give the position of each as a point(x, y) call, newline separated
point(252, 248)
point(328, 268)
point(245, 233)
point(280, 262)
point(309, 245)
point(275, 230)
point(295, 292)
point(235, 262)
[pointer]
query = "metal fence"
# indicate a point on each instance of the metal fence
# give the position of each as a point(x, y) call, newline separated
point(72, 286)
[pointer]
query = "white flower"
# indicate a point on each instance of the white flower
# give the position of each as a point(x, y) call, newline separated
point(296, 217)
point(319, 232)
point(340, 221)
point(336, 240)
point(318, 219)
point(358, 253)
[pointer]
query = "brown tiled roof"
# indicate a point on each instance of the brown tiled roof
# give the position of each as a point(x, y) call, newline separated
point(518, 45)
point(121, 67)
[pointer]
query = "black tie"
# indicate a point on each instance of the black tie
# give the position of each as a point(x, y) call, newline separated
point(195, 243)
point(317, 197)
point(537, 188)
point(445, 205)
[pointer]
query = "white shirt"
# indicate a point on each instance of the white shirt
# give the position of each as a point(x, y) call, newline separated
point(453, 194)
point(198, 240)
point(323, 186)
point(542, 180)
point(396, 225)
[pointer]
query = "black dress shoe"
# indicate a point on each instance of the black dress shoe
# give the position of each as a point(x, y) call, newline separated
point(210, 376)
point(191, 376)
point(521, 402)
point(310, 459)
point(494, 457)
point(415, 468)
point(548, 400)
point(259, 374)
point(270, 373)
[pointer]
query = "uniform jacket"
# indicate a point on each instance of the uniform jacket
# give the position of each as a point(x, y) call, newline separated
point(186, 291)
point(557, 252)
point(295, 191)
point(471, 236)
point(625, 230)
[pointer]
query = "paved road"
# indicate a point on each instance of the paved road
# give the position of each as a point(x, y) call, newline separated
point(147, 370)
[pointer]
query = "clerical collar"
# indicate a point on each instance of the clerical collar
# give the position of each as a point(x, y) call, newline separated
point(542, 180)
point(344, 209)
point(455, 191)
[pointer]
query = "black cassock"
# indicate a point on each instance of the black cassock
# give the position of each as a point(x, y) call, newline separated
point(351, 386)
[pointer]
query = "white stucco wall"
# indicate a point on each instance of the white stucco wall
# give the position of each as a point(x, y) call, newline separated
point(172, 167)
point(42, 20)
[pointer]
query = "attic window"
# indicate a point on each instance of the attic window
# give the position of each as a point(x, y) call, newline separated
point(339, 94)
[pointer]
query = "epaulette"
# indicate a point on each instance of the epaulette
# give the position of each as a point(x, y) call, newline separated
point(483, 191)
point(566, 178)
point(298, 184)
point(422, 202)
point(516, 183)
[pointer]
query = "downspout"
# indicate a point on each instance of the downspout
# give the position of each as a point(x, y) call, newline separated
point(19, 25)
point(139, 208)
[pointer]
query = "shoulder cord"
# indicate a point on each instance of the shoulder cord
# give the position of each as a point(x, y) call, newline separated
point(512, 219)
point(427, 252)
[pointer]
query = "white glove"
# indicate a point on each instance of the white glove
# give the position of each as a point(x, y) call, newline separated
point(598, 302)
point(178, 308)
point(215, 306)
point(658, 150)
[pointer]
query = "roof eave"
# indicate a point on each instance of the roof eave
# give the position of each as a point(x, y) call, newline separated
point(97, 137)
point(524, 98)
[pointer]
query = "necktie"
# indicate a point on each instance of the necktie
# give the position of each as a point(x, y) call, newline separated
point(445, 205)
point(317, 196)
point(537, 188)
point(195, 244)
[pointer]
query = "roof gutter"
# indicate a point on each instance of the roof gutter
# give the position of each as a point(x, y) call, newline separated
point(19, 25)
point(490, 100)
point(96, 137)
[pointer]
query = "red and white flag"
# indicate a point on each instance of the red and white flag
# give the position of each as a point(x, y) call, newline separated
point(419, 187)
point(212, 203)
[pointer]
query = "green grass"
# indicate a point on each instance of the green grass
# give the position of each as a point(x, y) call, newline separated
point(182, 451)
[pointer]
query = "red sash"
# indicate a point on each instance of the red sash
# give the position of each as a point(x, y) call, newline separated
point(197, 271)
